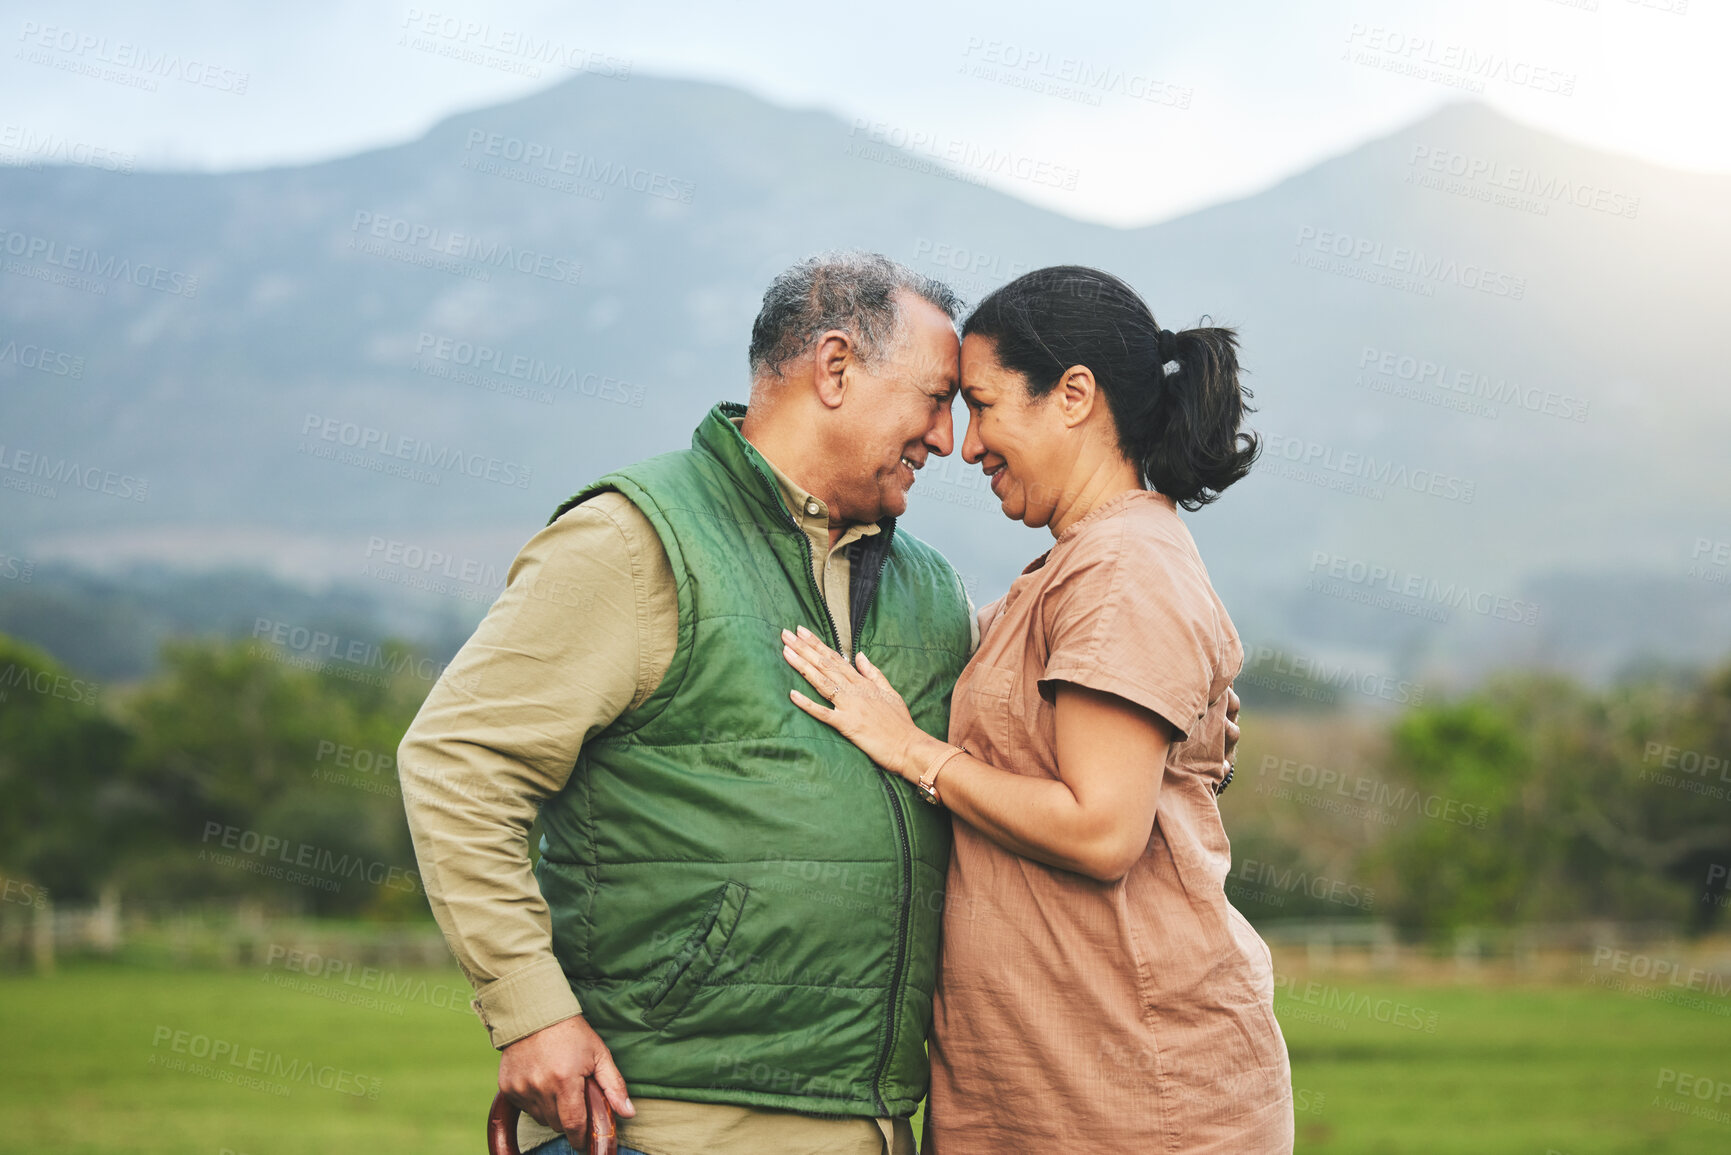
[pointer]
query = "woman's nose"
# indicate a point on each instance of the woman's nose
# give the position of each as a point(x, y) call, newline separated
point(973, 449)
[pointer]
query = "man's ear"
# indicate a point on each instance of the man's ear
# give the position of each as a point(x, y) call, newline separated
point(1077, 394)
point(834, 354)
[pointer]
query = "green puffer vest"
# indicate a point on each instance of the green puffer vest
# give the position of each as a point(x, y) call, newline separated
point(746, 907)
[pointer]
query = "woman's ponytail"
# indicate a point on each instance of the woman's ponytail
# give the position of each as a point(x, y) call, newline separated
point(1190, 447)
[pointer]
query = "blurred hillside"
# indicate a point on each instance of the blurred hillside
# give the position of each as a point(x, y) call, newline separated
point(538, 292)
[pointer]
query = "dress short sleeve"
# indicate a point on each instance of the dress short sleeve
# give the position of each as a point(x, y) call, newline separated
point(1131, 616)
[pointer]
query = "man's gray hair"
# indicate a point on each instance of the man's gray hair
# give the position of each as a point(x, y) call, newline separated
point(854, 292)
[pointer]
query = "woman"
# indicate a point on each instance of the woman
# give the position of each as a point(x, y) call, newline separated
point(1096, 988)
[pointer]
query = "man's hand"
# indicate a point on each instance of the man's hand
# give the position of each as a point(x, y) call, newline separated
point(1232, 704)
point(543, 1074)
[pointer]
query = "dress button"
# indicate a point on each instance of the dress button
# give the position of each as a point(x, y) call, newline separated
point(812, 507)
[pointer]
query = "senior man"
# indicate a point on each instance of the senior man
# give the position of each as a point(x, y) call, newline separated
point(735, 915)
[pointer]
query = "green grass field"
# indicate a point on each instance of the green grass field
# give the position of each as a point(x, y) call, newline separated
point(92, 1062)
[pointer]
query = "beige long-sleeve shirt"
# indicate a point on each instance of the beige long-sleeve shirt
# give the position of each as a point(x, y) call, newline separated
point(584, 631)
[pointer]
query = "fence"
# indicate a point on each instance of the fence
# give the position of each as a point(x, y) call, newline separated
point(1548, 951)
point(204, 935)
point(244, 934)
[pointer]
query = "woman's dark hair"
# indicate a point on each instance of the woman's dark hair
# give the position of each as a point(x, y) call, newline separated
point(1178, 426)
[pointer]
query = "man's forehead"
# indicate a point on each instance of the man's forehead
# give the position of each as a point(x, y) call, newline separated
point(934, 363)
point(922, 314)
point(929, 342)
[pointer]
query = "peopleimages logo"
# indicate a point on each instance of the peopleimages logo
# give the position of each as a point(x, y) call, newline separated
point(395, 446)
point(1373, 258)
point(1439, 375)
point(1271, 879)
point(1344, 792)
point(39, 148)
point(1332, 1005)
point(432, 561)
point(1458, 65)
point(1667, 970)
point(1703, 1088)
point(61, 471)
point(243, 1061)
point(589, 169)
point(87, 53)
point(356, 984)
point(357, 768)
point(17, 675)
point(1304, 676)
point(939, 154)
point(16, 890)
point(960, 259)
point(1711, 561)
point(82, 259)
point(1367, 473)
point(489, 363)
point(455, 36)
point(432, 242)
point(41, 359)
point(1067, 77)
point(317, 646)
point(272, 850)
point(1515, 186)
point(1451, 595)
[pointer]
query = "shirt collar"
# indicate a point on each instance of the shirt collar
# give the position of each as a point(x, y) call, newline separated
point(806, 508)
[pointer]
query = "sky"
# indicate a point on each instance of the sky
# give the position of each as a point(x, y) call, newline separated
point(1151, 109)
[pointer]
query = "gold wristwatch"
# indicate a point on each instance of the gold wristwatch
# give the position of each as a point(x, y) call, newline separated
point(928, 783)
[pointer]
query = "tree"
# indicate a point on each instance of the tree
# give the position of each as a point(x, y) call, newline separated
point(1576, 823)
point(231, 745)
point(63, 811)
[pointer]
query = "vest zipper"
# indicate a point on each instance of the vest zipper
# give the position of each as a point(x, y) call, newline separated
point(899, 974)
point(904, 907)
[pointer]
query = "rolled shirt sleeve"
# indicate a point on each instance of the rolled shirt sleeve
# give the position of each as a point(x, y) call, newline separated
point(584, 631)
point(1131, 619)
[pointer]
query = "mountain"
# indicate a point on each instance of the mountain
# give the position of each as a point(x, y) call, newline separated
point(1489, 364)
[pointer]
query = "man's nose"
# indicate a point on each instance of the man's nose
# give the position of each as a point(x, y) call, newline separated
point(941, 437)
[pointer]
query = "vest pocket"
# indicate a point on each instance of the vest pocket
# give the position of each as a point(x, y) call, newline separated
point(698, 956)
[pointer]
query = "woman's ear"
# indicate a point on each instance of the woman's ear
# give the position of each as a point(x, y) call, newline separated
point(1077, 394)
